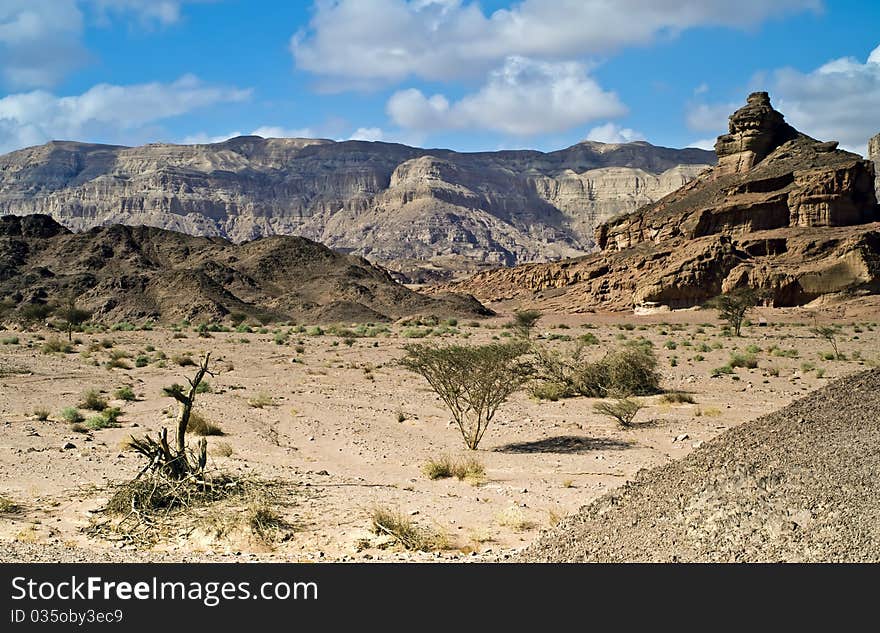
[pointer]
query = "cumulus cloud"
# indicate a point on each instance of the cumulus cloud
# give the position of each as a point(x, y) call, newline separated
point(266, 131)
point(391, 40)
point(837, 101)
point(104, 111)
point(39, 41)
point(523, 97)
point(613, 133)
point(368, 134)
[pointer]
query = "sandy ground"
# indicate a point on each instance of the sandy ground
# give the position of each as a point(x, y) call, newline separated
point(333, 431)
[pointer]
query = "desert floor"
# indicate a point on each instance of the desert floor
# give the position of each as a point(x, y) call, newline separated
point(344, 430)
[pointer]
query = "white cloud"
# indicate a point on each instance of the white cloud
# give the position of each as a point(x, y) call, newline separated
point(704, 143)
point(368, 134)
point(104, 111)
point(266, 131)
point(613, 133)
point(703, 117)
point(274, 131)
point(524, 97)
point(39, 41)
point(391, 40)
point(837, 101)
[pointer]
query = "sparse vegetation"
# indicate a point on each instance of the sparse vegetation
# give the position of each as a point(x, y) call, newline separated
point(393, 523)
point(261, 400)
point(524, 321)
point(124, 393)
point(677, 397)
point(445, 467)
point(624, 410)
point(471, 381)
point(734, 306)
point(199, 425)
point(71, 415)
point(92, 399)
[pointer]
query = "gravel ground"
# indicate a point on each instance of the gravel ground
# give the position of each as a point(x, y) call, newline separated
point(798, 485)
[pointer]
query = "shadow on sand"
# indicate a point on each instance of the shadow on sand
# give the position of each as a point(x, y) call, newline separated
point(570, 444)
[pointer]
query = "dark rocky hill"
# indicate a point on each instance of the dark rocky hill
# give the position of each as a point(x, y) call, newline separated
point(137, 273)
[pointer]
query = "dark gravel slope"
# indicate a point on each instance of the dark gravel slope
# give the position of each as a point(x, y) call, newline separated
point(801, 484)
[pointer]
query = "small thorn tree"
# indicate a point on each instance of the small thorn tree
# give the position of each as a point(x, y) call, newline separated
point(471, 381)
point(734, 306)
point(72, 315)
point(524, 321)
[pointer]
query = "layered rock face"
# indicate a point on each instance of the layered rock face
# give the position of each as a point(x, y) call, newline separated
point(874, 155)
point(768, 176)
point(135, 273)
point(782, 212)
point(405, 207)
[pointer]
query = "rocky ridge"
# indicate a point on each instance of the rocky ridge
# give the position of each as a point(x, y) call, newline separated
point(797, 485)
point(781, 212)
point(125, 273)
point(418, 210)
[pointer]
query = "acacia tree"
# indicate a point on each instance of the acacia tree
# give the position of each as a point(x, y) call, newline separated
point(471, 381)
point(734, 306)
point(830, 335)
point(72, 315)
point(524, 322)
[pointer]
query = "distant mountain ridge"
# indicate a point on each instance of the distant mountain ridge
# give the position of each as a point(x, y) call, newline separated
point(416, 210)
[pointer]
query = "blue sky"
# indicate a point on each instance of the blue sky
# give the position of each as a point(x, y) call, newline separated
point(437, 73)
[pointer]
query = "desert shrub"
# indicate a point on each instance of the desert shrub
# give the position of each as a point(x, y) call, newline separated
point(670, 345)
point(55, 345)
point(71, 415)
point(588, 339)
point(623, 410)
point(723, 370)
point(198, 424)
point(264, 521)
point(314, 331)
point(124, 393)
point(753, 349)
point(471, 381)
point(117, 363)
point(184, 360)
point(416, 332)
point(261, 400)
point(222, 449)
point(445, 467)
point(104, 420)
point(92, 399)
point(141, 361)
point(204, 387)
point(386, 521)
point(747, 361)
point(628, 371)
point(808, 366)
point(123, 326)
point(677, 397)
point(41, 414)
point(514, 518)
point(35, 312)
point(9, 340)
point(8, 506)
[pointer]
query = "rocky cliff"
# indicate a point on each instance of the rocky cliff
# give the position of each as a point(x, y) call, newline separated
point(874, 155)
point(408, 208)
point(783, 212)
point(135, 273)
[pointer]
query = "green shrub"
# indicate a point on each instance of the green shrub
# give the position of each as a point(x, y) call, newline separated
point(71, 415)
point(124, 393)
point(92, 399)
point(9, 340)
point(623, 410)
point(55, 345)
point(747, 361)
